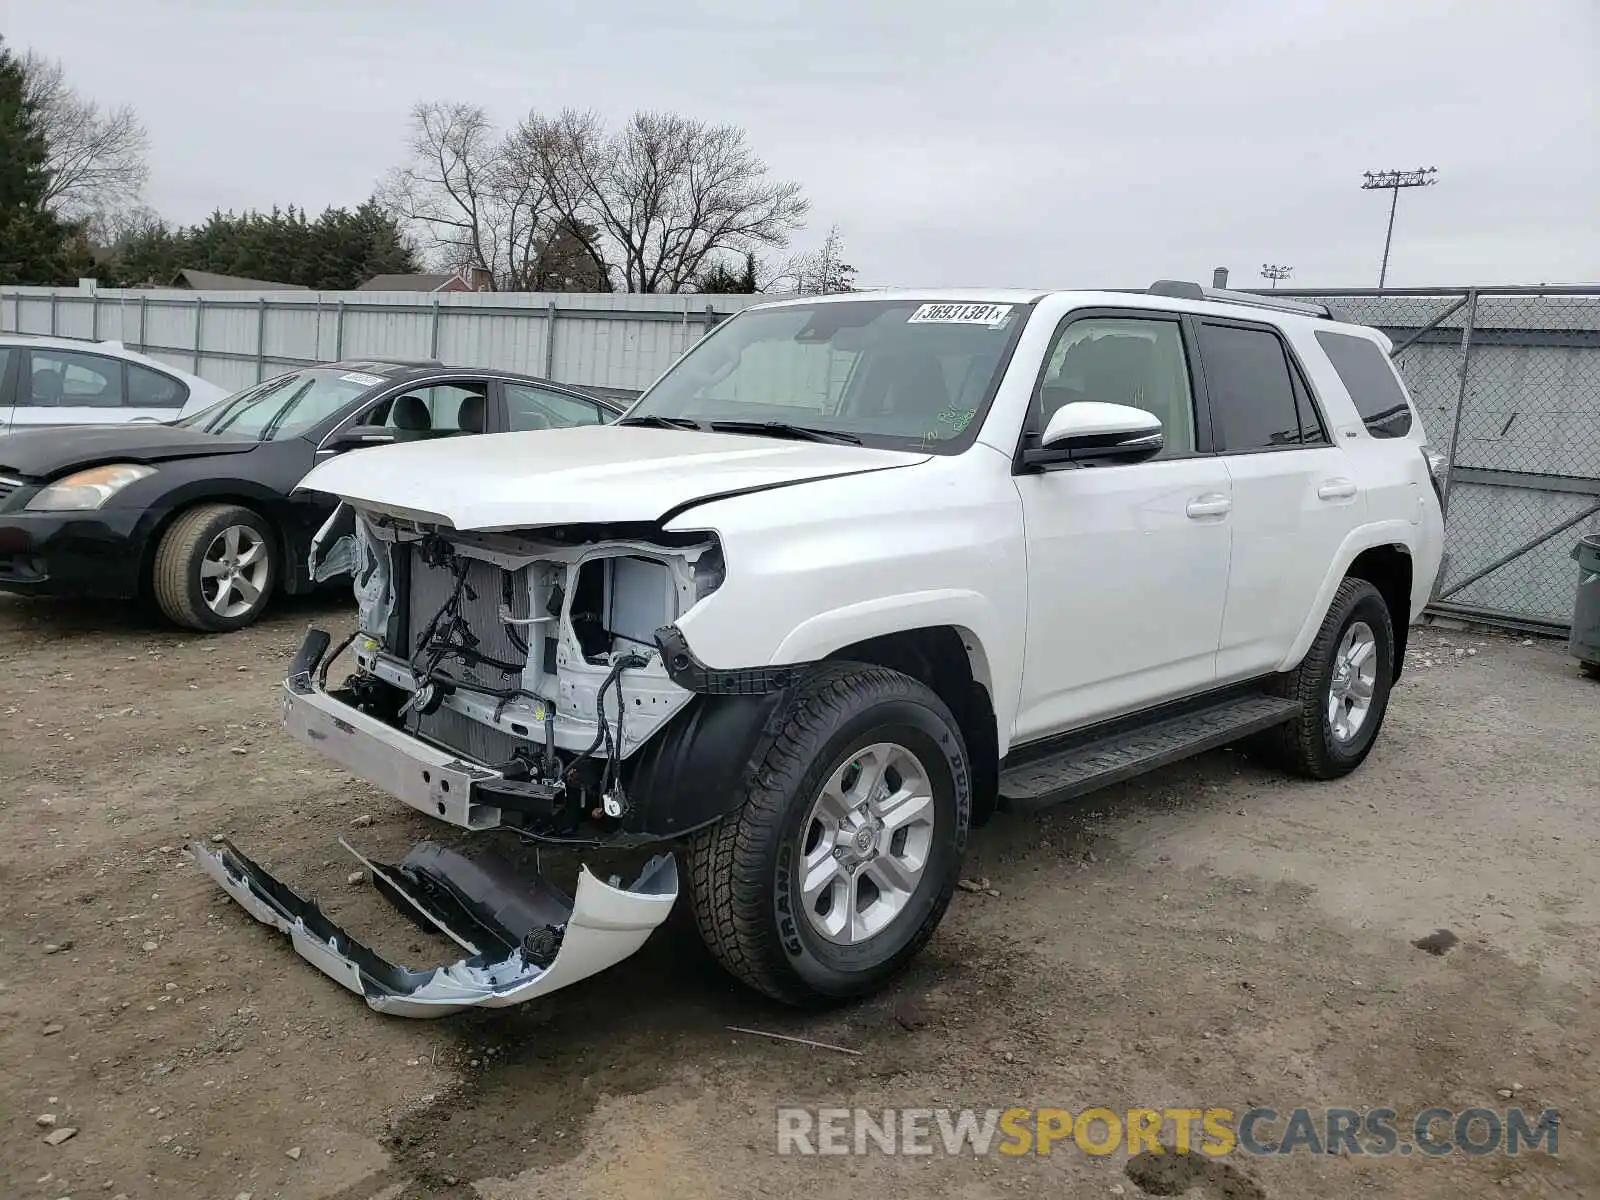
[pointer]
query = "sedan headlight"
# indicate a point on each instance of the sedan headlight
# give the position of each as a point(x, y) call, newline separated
point(89, 489)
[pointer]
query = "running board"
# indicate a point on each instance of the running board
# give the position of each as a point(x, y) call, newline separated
point(1116, 751)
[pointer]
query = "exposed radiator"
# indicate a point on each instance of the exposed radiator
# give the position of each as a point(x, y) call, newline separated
point(430, 587)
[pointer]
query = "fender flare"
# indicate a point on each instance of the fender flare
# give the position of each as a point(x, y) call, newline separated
point(967, 611)
point(1399, 533)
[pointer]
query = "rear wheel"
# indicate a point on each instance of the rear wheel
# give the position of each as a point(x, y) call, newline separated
point(215, 568)
point(1342, 686)
point(843, 856)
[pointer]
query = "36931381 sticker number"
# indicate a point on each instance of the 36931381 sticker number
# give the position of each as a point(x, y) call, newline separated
point(961, 314)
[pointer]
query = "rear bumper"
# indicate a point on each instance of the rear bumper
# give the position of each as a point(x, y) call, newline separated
point(524, 938)
point(96, 555)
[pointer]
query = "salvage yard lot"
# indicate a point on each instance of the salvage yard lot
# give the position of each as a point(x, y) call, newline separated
point(1210, 935)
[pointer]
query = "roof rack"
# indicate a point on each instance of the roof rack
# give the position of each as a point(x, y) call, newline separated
point(1184, 290)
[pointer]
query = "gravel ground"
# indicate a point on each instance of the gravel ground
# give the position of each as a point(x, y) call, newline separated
point(1213, 935)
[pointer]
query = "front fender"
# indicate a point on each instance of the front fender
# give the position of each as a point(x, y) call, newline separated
point(993, 646)
point(971, 614)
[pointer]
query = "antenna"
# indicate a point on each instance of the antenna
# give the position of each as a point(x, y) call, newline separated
point(1392, 182)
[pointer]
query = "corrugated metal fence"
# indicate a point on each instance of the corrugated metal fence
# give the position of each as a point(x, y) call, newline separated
point(1507, 380)
point(618, 342)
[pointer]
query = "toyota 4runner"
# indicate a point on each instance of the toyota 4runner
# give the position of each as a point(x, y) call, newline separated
point(855, 573)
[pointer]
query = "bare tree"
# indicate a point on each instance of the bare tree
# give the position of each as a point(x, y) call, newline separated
point(562, 203)
point(824, 270)
point(558, 153)
point(447, 193)
point(666, 196)
point(96, 158)
point(116, 227)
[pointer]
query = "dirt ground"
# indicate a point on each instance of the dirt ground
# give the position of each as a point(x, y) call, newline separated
point(1210, 936)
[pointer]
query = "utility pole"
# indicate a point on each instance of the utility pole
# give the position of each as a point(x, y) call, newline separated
point(1392, 182)
point(1275, 272)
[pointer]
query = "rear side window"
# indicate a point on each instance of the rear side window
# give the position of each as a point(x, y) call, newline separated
point(1256, 401)
point(67, 379)
point(1366, 374)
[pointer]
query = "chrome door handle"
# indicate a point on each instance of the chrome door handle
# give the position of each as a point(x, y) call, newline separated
point(1336, 489)
point(1212, 505)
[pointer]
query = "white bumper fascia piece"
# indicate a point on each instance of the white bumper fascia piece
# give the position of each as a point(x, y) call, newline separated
point(602, 926)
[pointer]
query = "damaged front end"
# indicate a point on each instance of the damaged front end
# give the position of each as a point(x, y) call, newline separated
point(523, 937)
point(531, 683)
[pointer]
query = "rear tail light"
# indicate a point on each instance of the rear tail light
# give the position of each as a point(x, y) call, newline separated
point(1437, 463)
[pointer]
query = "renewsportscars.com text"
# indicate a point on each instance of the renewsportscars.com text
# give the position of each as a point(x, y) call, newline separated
point(1435, 1132)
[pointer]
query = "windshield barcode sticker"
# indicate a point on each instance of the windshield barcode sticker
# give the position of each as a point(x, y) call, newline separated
point(363, 380)
point(962, 314)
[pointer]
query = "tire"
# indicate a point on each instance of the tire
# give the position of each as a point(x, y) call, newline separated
point(846, 724)
point(1309, 745)
point(1591, 669)
point(184, 578)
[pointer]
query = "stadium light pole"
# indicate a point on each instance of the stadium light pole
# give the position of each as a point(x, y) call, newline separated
point(1392, 182)
point(1275, 272)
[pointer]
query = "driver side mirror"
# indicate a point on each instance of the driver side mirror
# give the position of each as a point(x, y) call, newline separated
point(355, 437)
point(1089, 432)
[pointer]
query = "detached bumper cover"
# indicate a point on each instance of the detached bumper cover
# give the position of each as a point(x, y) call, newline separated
point(524, 937)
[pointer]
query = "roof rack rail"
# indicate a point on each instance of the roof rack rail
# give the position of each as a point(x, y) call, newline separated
point(1184, 290)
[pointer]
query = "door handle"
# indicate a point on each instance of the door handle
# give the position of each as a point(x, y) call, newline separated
point(1210, 505)
point(1336, 489)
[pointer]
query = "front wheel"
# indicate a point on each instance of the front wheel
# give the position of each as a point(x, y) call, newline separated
point(842, 858)
point(214, 568)
point(1342, 686)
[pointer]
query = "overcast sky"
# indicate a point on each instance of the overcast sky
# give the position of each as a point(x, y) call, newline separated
point(1052, 143)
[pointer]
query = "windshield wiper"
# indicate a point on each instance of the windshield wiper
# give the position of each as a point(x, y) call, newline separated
point(656, 422)
point(800, 433)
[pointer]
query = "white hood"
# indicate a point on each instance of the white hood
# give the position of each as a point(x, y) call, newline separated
point(594, 473)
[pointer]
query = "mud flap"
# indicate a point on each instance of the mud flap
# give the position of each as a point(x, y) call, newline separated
point(524, 937)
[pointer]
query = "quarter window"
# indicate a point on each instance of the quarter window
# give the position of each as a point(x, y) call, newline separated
point(1257, 402)
point(1368, 376)
point(152, 389)
point(66, 379)
point(1117, 360)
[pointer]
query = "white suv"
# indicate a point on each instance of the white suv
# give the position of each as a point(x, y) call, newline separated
point(855, 572)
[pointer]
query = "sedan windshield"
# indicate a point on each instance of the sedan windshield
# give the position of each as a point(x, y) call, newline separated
point(285, 406)
point(895, 373)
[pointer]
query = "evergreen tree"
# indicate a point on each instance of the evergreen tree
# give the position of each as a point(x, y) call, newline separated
point(340, 250)
point(723, 279)
point(36, 246)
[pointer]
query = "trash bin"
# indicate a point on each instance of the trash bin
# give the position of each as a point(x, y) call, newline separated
point(1586, 611)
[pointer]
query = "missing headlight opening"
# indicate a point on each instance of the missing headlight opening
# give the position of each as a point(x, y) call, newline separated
point(531, 653)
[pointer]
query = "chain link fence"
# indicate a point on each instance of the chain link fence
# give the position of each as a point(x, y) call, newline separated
point(1508, 385)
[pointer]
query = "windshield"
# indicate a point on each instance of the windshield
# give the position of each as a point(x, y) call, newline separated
point(285, 406)
point(895, 373)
